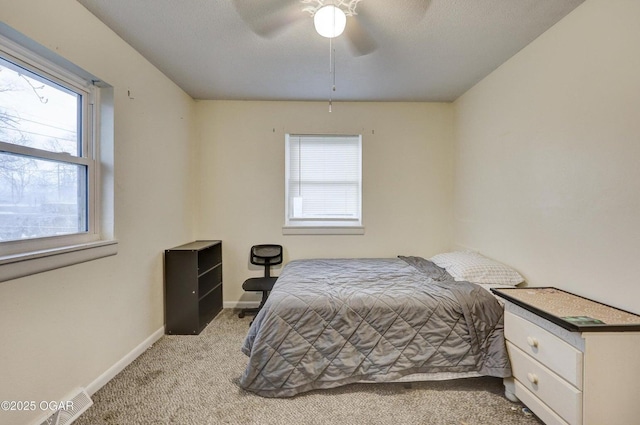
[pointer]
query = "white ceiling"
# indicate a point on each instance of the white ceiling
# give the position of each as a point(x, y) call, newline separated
point(206, 48)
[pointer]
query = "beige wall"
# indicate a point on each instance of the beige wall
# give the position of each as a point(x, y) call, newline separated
point(545, 164)
point(62, 329)
point(548, 157)
point(407, 179)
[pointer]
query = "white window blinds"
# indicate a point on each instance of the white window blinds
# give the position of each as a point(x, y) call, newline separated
point(323, 180)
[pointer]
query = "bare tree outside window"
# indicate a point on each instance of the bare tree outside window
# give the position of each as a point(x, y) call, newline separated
point(41, 192)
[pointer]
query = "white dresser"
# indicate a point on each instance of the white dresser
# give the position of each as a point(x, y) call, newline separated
point(567, 369)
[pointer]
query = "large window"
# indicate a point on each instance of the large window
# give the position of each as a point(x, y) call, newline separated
point(49, 159)
point(323, 183)
point(45, 160)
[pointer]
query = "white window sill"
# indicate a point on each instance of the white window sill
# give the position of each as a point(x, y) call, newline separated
point(20, 265)
point(323, 230)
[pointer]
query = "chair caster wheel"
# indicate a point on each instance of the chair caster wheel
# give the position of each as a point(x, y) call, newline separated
point(241, 315)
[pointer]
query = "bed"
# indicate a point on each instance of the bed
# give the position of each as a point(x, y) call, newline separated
point(332, 322)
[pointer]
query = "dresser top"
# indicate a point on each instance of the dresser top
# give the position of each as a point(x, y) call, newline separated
point(571, 311)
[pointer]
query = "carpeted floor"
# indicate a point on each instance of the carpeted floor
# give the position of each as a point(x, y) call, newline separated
point(193, 380)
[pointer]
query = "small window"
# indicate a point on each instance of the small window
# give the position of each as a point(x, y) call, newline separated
point(323, 184)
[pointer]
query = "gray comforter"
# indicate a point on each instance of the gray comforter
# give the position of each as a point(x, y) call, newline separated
point(333, 322)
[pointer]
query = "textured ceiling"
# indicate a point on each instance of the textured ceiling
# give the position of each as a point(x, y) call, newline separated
point(207, 48)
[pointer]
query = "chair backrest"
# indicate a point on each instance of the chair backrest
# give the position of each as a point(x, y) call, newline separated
point(266, 255)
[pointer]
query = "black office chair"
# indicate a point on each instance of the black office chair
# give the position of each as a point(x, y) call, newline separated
point(262, 255)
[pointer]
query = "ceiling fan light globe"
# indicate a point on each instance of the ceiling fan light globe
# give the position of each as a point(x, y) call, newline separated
point(329, 21)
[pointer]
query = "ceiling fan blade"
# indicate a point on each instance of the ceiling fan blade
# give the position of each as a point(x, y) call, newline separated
point(267, 18)
point(362, 43)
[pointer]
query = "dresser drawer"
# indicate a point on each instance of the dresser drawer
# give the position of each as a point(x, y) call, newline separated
point(542, 411)
point(545, 347)
point(562, 397)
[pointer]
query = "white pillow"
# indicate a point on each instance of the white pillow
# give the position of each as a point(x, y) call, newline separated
point(473, 267)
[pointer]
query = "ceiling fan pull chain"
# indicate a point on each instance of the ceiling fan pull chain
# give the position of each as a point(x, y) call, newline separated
point(332, 71)
point(330, 56)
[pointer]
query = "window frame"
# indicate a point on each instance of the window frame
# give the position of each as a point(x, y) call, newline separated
point(321, 226)
point(24, 257)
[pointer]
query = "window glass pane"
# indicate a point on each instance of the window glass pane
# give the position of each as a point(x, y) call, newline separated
point(316, 200)
point(324, 177)
point(36, 112)
point(41, 198)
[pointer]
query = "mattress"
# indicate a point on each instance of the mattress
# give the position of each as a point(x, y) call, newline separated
point(332, 322)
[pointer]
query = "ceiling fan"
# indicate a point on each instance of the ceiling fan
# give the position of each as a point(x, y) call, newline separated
point(268, 17)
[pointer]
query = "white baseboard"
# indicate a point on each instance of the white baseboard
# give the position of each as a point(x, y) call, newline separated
point(124, 362)
point(240, 304)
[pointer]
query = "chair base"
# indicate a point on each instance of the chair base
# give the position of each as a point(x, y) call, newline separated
point(253, 311)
